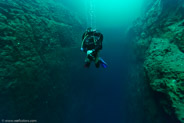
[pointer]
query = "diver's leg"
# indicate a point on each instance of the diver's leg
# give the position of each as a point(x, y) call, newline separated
point(87, 62)
point(97, 61)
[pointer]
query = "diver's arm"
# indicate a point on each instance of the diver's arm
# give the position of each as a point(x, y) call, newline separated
point(99, 42)
point(83, 46)
point(98, 47)
point(99, 35)
point(83, 36)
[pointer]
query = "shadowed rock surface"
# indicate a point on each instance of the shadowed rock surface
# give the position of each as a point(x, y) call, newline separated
point(36, 41)
point(159, 38)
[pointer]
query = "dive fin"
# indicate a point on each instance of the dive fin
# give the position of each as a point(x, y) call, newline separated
point(103, 63)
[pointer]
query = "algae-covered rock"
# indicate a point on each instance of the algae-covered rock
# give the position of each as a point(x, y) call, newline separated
point(36, 38)
point(159, 44)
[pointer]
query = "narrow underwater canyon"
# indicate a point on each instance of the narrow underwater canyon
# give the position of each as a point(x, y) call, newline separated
point(42, 75)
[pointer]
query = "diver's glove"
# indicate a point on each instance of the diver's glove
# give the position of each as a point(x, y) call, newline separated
point(82, 49)
point(89, 52)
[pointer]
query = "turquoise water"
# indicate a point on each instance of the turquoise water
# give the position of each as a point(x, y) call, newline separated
point(46, 79)
point(108, 13)
point(108, 95)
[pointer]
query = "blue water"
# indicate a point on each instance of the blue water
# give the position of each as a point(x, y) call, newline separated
point(110, 95)
point(91, 95)
point(99, 95)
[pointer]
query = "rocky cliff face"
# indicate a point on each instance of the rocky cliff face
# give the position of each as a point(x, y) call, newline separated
point(36, 41)
point(159, 38)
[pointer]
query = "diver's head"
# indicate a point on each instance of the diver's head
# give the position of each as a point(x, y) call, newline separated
point(90, 29)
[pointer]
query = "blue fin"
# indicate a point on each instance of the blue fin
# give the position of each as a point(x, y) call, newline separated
point(103, 63)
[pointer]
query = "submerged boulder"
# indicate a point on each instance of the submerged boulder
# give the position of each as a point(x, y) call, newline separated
point(160, 46)
point(36, 39)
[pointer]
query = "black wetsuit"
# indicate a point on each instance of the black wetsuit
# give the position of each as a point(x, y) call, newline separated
point(92, 41)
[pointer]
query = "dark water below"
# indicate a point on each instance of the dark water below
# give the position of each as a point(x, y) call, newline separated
point(107, 95)
point(99, 95)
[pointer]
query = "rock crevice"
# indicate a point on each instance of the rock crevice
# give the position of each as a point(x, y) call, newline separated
point(159, 42)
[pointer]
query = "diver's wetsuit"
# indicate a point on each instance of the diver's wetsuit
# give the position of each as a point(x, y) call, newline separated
point(92, 41)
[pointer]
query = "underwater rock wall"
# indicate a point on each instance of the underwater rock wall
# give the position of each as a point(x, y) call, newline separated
point(159, 38)
point(37, 38)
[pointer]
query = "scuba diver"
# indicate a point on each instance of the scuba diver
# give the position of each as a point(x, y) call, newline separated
point(92, 44)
